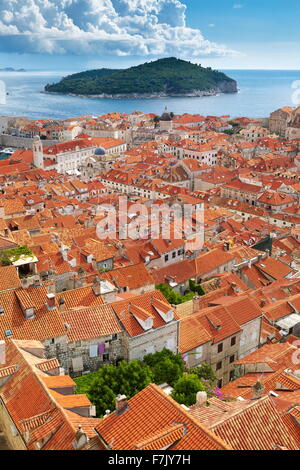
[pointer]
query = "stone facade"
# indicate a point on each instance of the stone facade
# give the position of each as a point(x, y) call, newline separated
point(136, 347)
point(85, 356)
point(9, 430)
point(285, 122)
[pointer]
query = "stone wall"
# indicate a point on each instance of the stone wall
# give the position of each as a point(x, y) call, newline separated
point(3, 442)
point(250, 337)
point(152, 341)
point(22, 142)
point(81, 349)
point(10, 434)
point(186, 308)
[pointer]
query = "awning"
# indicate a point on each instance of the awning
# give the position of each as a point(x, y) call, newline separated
point(289, 321)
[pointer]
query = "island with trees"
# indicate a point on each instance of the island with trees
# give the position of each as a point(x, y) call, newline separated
point(160, 78)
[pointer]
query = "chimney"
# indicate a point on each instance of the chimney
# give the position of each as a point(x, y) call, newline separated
point(201, 398)
point(36, 283)
point(121, 404)
point(257, 390)
point(51, 287)
point(2, 353)
point(263, 302)
point(196, 301)
point(50, 301)
point(81, 439)
point(226, 246)
point(61, 304)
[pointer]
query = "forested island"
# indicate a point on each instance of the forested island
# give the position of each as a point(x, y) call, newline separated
point(160, 78)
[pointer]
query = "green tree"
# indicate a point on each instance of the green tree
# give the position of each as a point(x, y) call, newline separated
point(196, 287)
point(107, 382)
point(186, 388)
point(165, 365)
point(204, 371)
point(173, 297)
point(84, 382)
point(12, 255)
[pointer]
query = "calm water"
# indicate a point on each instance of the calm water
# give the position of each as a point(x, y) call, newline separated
point(260, 92)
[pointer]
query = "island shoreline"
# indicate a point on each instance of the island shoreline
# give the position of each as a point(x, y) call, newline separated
point(195, 94)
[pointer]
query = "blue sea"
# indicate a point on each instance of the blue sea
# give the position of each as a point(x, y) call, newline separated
point(260, 92)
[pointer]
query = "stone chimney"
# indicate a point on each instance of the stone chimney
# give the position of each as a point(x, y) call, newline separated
point(121, 404)
point(196, 302)
point(50, 301)
point(201, 398)
point(51, 289)
point(2, 353)
point(81, 439)
point(257, 390)
point(61, 304)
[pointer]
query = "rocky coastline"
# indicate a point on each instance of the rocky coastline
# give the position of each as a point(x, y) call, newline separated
point(223, 88)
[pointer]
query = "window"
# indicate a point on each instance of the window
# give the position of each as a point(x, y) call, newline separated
point(231, 359)
point(231, 375)
point(220, 383)
point(166, 257)
point(219, 365)
point(174, 254)
point(233, 341)
point(220, 347)
point(93, 350)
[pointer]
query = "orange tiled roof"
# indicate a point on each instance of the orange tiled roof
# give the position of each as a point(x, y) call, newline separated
point(256, 427)
point(126, 315)
point(133, 276)
point(150, 414)
point(46, 324)
point(9, 278)
point(90, 323)
point(81, 297)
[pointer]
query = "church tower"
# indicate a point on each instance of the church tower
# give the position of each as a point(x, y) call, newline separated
point(165, 121)
point(38, 155)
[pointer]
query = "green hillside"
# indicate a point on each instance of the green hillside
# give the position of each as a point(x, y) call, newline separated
point(169, 76)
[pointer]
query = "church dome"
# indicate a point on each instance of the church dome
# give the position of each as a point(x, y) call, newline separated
point(100, 151)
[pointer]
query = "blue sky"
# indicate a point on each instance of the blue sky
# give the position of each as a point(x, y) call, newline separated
point(81, 34)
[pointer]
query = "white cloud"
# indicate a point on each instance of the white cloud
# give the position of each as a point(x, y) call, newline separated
point(117, 27)
point(238, 5)
point(211, 25)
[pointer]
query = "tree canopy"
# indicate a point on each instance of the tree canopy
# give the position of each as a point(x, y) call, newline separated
point(204, 371)
point(168, 76)
point(166, 366)
point(108, 381)
point(186, 388)
point(172, 296)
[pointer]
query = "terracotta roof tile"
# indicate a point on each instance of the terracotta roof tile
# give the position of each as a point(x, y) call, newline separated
point(90, 323)
point(150, 412)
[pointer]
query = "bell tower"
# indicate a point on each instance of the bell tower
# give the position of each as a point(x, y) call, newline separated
point(38, 155)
